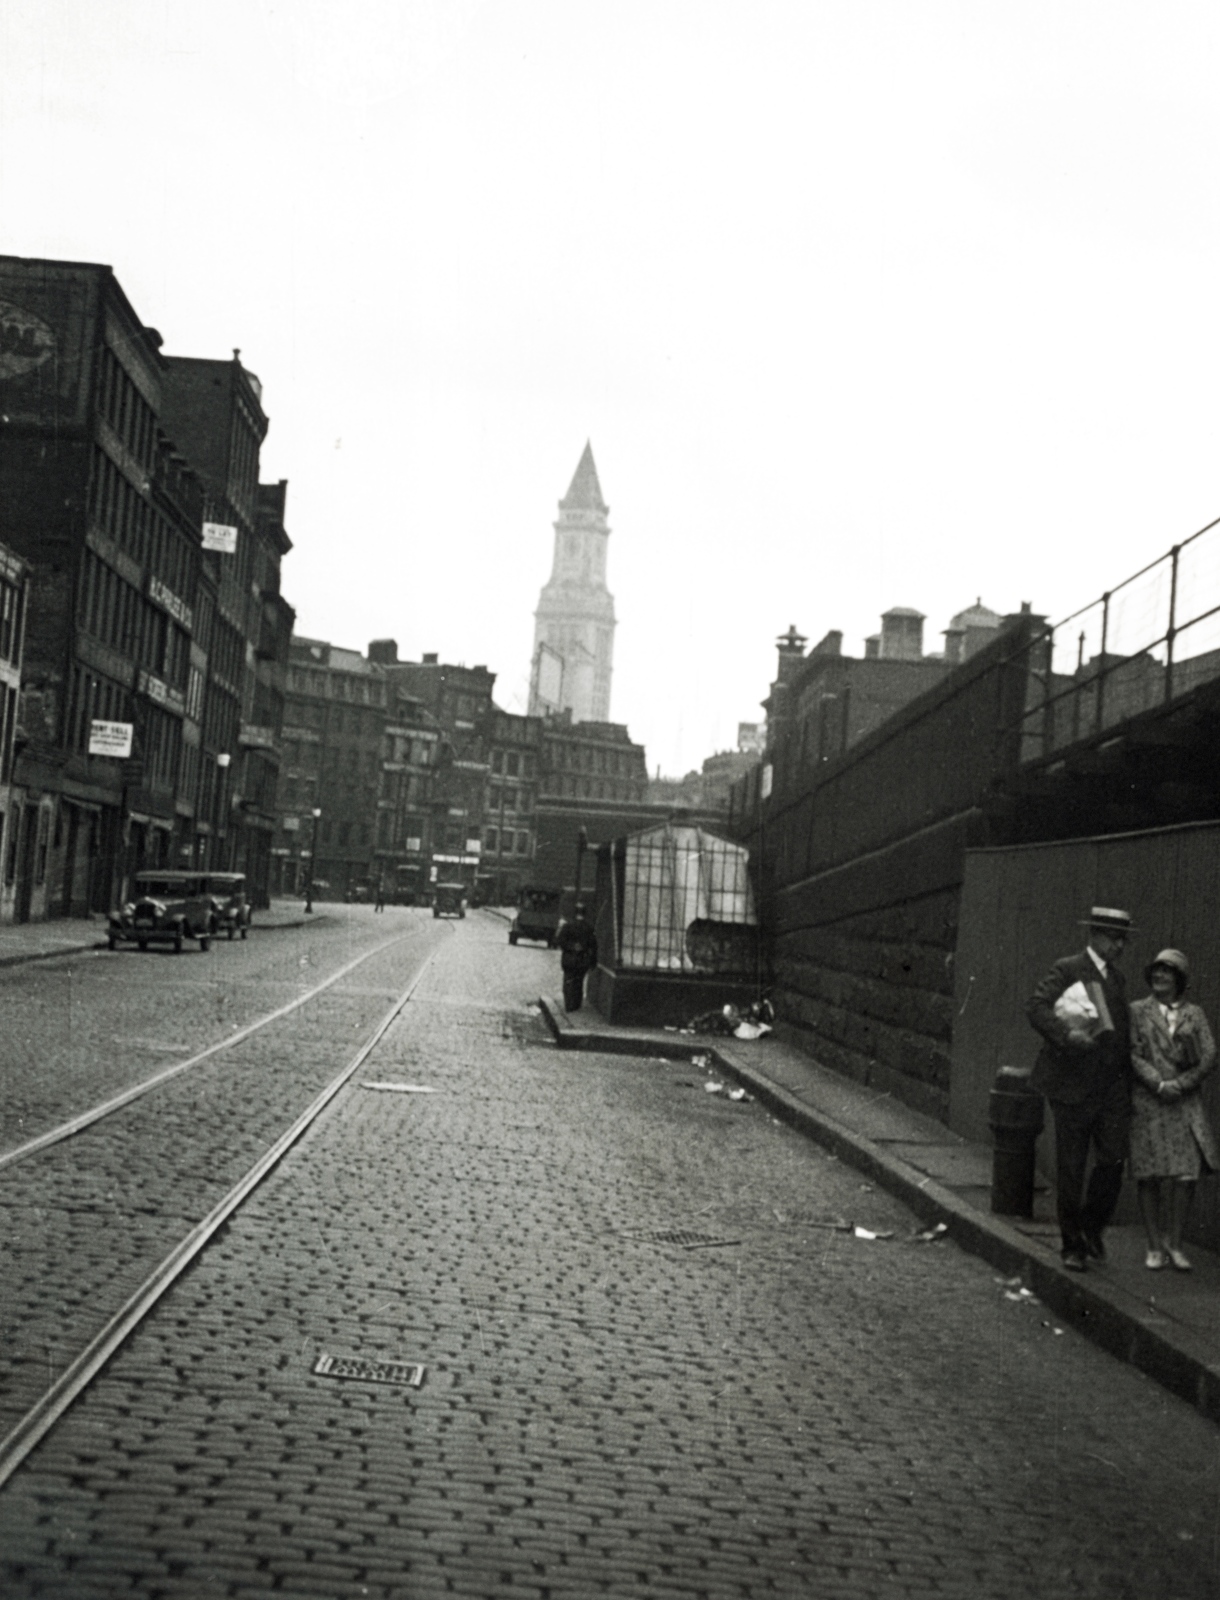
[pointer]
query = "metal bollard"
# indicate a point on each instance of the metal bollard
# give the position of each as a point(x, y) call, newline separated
point(1015, 1114)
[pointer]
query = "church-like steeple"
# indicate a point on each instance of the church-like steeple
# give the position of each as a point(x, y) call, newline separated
point(584, 492)
point(574, 622)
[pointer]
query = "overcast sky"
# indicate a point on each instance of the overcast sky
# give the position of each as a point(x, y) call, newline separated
point(862, 304)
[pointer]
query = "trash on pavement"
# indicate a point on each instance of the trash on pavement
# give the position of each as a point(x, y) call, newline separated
point(703, 1062)
point(1021, 1294)
point(401, 1088)
point(713, 1087)
point(868, 1233)
point(739, 1094)
point(930, 1235)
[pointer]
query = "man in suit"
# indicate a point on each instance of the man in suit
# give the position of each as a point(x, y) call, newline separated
point(578, 946)
point(1086, 1076)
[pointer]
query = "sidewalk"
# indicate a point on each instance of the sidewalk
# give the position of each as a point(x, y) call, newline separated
point(62, 936)
point(1167, 1324)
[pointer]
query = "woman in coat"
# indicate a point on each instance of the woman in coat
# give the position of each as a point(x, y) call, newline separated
point(1172, 1052)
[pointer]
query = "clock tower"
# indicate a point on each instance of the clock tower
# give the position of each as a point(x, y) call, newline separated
point(574, 623)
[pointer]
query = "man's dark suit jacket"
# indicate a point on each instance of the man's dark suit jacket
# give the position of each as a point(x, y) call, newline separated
point(1067, 1072)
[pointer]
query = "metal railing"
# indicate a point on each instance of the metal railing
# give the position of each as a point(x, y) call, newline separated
point(1149, 640)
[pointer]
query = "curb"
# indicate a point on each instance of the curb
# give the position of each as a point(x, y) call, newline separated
point(50, 955)
point(1171, 1355)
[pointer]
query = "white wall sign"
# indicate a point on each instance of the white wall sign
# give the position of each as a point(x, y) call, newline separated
point(765, 783)
point(110, 739)
point(219, 536)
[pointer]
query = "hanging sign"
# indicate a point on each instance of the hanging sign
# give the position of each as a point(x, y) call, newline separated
point(219, 536)
point(110, 739)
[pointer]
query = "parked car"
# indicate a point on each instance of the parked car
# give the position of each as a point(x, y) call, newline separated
point(167, 908)
point(450, 900)
point(537, 916)
point(228, 892)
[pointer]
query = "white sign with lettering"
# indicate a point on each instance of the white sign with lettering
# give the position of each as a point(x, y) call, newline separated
point(219, 536)
point(110, 739)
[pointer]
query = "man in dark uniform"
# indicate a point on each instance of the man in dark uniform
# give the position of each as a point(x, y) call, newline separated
point(1085, 1073)
point(578, 953)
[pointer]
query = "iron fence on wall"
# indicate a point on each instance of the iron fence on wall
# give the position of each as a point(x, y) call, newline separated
point(1149, 640)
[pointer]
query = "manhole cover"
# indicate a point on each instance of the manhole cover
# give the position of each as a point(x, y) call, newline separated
point(680, 1236)
point(369, 1371)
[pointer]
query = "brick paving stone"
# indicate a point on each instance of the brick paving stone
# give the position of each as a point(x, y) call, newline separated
point(802, 1413)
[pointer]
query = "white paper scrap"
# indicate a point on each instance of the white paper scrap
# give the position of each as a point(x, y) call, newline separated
point(401, 1088)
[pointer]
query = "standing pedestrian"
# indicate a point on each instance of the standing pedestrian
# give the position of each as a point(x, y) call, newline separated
point(1172, 1051)
point(578, 953)
point(380, 906)
point(1084, 1070)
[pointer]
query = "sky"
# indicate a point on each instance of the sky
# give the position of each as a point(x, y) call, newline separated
point(862, 304)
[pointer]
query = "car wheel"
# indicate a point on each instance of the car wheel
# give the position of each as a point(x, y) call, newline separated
point(512, 938)
point(205, 943)
point(232, 933)
point(243, 933)
point(143, 943)
point(112, 941)
point(177, 941)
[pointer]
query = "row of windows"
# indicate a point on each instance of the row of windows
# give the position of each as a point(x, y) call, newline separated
point(92, 698)
point(8, 724)
point(593, 758)
point(509, 798)
point(502, 841)
point(594, 788)
point(10, 620)
point(125, 516)
point(125, 408)
point(119, 615)
point(317, 681)
point(344, 832)
point(513, 763)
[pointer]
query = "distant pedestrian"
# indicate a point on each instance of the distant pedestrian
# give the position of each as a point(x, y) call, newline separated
point(578, 954)
point(1172, 1051)
point(380, 906)
point(1084, 1070)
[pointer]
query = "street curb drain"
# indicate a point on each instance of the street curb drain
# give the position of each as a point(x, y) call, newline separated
point(681, 1236)
point(408, 1374)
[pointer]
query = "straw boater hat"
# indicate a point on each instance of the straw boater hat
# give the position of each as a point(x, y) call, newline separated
point(1105, 919)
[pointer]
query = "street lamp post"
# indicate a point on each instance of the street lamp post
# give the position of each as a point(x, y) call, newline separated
point(313, 845)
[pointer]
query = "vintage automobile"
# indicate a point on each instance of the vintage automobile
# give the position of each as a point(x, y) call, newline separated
point(537, 916)
point(450, 900)
point(228, 892)
point(167, 908)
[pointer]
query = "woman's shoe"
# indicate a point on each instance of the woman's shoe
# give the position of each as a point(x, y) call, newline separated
point(1181, 1262)
point(1155, 1260)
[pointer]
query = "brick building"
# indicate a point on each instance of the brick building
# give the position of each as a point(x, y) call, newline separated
point(113, 456)
point(213, 410)
point(16, 874)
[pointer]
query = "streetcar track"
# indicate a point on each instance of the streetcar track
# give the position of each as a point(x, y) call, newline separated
point(104, 1108)
point(88, 1365)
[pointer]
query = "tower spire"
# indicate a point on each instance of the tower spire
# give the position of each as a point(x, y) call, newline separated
point(574, 623)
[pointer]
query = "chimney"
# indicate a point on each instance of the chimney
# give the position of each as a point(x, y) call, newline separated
point(902, 634)
point(872, 647)
point(830, 645)
point(791, 647)
point(430, 660)
point(384, 652)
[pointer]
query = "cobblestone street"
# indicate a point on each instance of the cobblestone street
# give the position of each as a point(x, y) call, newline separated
point(784, 1408)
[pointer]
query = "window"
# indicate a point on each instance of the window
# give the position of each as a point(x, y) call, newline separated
point(497, 761)
point(491, 841)
point(513, 764)
point(523, 844)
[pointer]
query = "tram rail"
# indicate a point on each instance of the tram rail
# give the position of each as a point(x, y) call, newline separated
point(40, 1418)
point(105, 1108)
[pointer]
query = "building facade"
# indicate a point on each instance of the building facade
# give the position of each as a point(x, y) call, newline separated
point(144, 648)
point(574, 624)
point(16, 874)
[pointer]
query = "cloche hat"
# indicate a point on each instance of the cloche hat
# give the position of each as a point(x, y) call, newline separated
point(1175, 961)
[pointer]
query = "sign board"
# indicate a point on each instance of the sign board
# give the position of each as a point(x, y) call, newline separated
point(474, 846)
point(764, 786)
point(219, 536)
point(110, 739)
point(414, 846)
